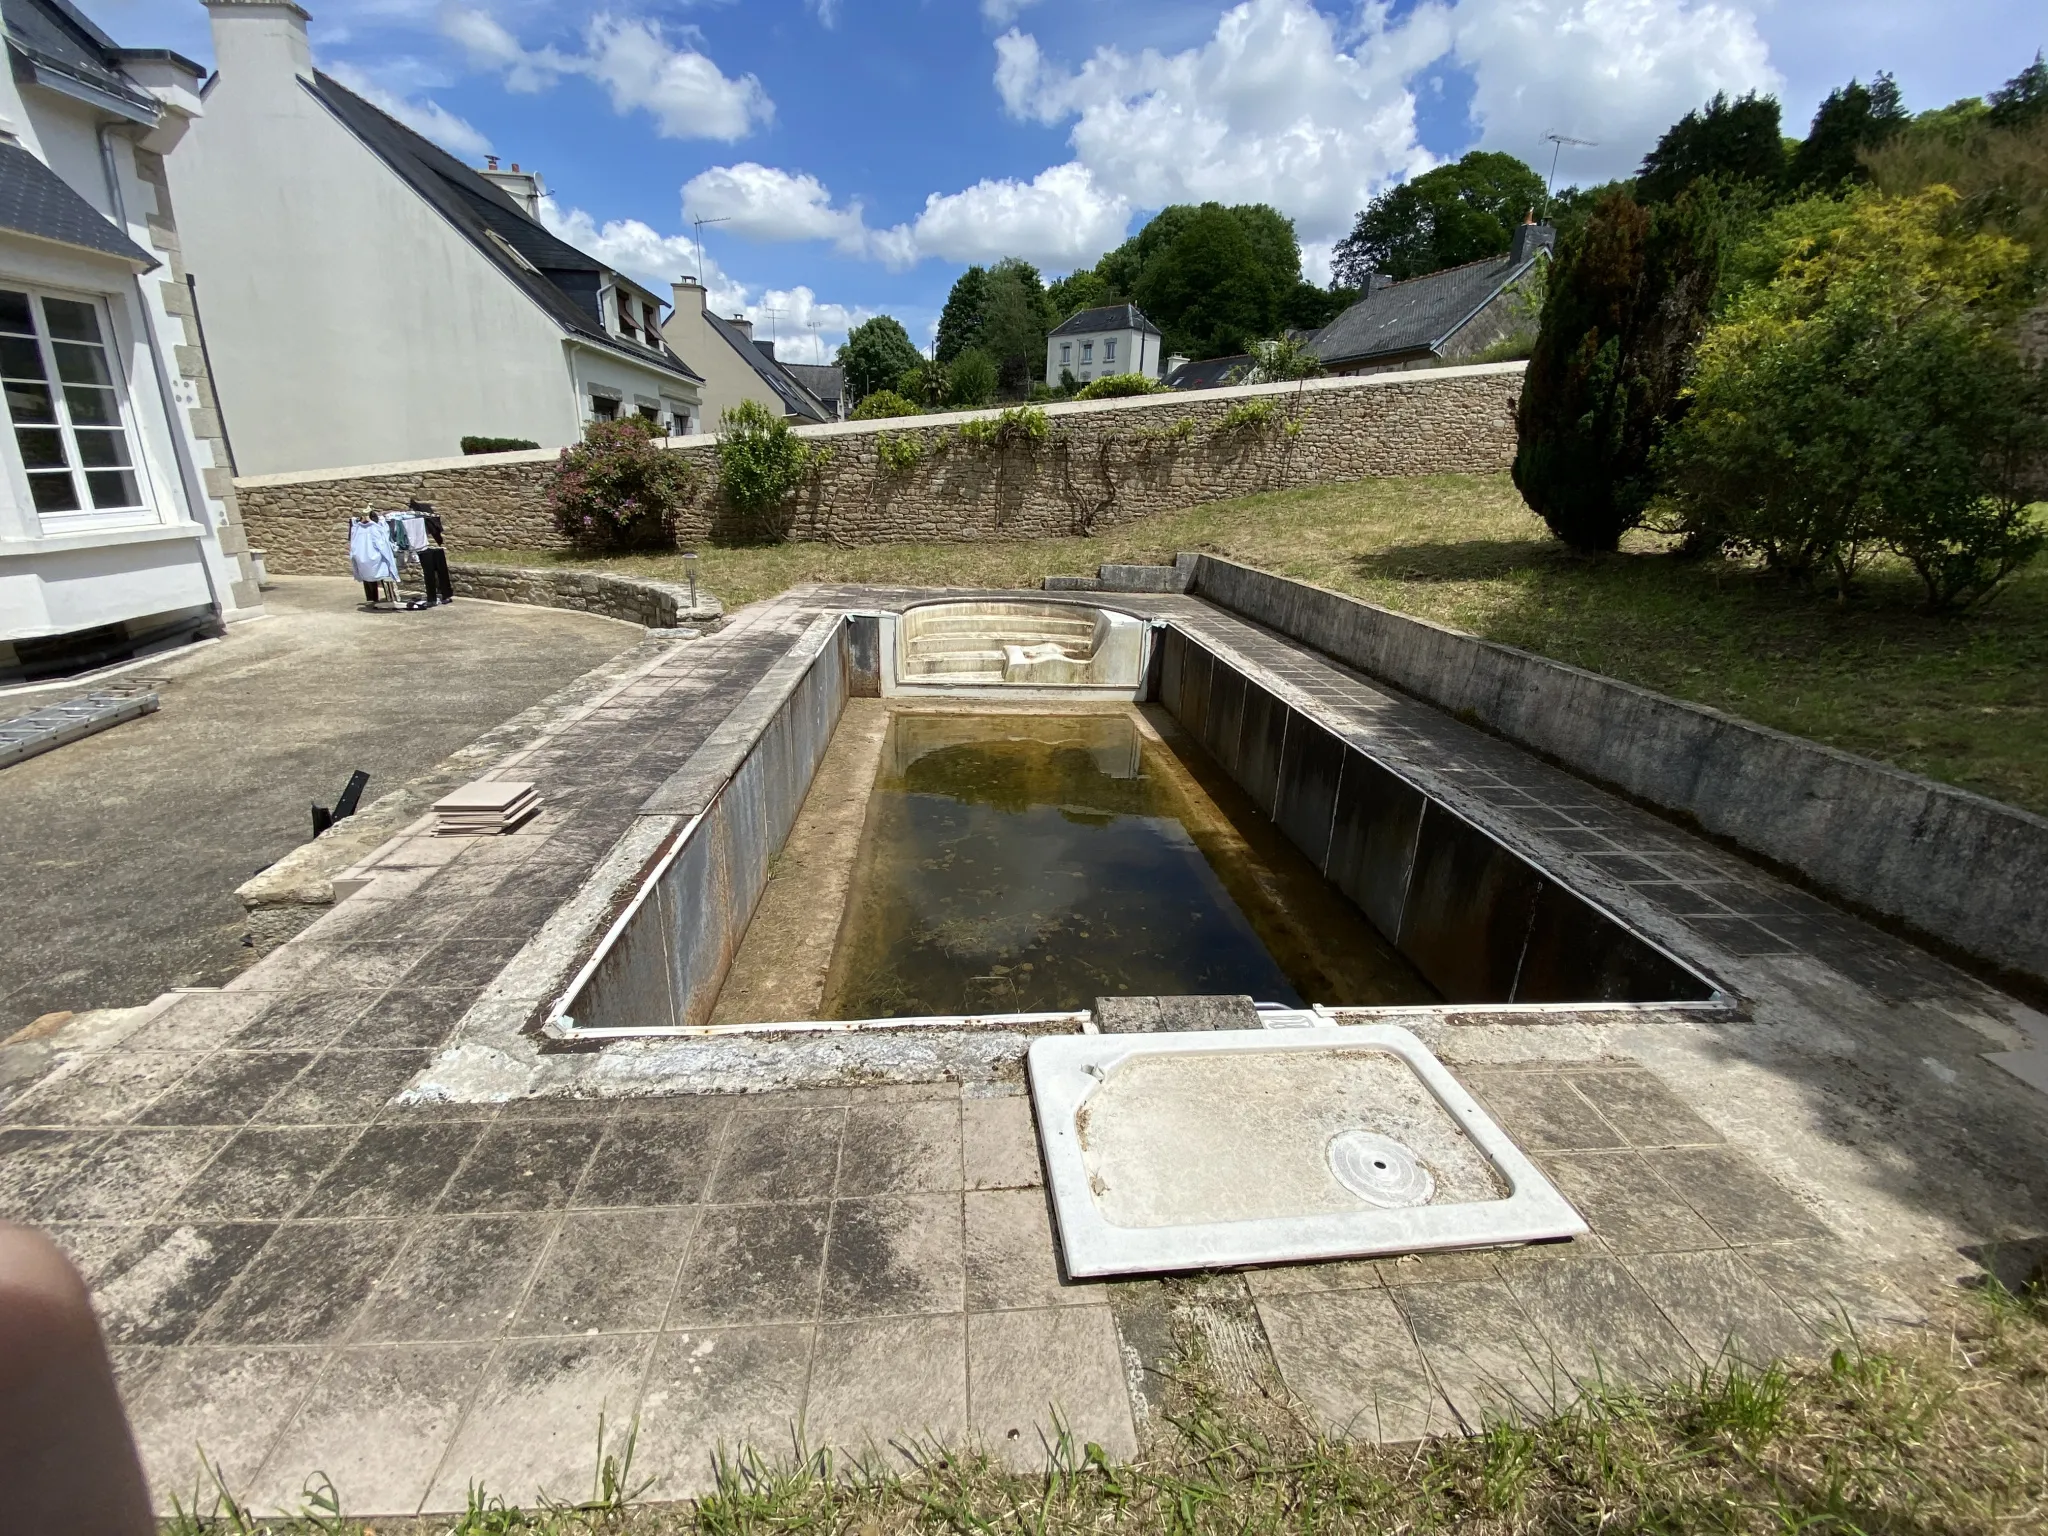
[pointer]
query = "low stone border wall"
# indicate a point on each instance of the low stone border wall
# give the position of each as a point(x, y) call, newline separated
point(635, 599)
point(1102, 463)
point(1965, 870)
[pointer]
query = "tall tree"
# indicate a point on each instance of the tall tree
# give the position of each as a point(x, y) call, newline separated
point(1013, 323)
point(2022, 100)
point(1725, 140)
point(960, 321)
point(1443, 218)
point(876, 353)
point(1855, 117)
point(1083, 288)
point(1208, 290)
point(1626, 301)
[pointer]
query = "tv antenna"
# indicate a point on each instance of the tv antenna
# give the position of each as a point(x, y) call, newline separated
point(816, 328)
point(703, 276)
point(1557, 141)
point(772, 315)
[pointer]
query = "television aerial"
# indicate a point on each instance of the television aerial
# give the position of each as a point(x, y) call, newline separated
point(1557, 141)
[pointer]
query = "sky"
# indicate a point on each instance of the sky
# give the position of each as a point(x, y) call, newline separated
point(855, 155)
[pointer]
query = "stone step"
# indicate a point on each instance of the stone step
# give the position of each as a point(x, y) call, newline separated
point(982, 645)
point(985, 623)
point(952, 662)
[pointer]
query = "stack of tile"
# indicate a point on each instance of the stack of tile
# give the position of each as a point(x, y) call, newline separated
point(485, 808)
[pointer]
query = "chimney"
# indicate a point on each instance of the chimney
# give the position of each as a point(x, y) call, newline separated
point(766, 349)
point(1375, 281)
point(260, 40)
point(524, 187)
point(1531, 237)
point(743, 325)
point(688, 296)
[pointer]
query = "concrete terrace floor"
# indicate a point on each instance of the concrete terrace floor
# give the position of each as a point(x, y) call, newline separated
point(300, 1274)
point(124, 850)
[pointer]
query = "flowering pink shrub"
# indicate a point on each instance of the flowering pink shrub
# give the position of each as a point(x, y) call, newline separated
point(617, 490)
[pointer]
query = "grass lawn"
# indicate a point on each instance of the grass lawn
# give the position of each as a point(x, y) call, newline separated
point(1961, 699)
point(1947, 1435)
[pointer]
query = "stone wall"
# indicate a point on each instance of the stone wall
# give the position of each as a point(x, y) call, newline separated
point(1102, 463)
point(635, 599)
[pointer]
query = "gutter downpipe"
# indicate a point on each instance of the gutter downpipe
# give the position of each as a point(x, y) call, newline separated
point(188, 472)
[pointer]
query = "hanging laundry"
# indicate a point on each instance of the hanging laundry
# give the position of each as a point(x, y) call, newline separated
point(370, 550)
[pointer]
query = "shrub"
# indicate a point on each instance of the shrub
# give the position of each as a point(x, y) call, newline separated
point(1628, 297)
point(1116, 386)
point(925, 384)
point(1020, 426)
point(1282, 359)
point(617, 490)
point(496, 444)
point(1866, 399)
point(1249, 416)
point(760, 461)
point(899, 454)
point(971, 382)
point(884, 403)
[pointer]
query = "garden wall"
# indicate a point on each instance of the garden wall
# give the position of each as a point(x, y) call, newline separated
point(1102, 463)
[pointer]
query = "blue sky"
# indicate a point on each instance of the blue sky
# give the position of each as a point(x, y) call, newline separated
point(862, 152)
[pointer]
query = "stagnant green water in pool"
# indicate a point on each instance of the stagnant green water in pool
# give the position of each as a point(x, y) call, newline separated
point(1015, 863)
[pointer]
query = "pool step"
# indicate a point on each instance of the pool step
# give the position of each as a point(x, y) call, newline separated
point(995, 624)
point(932, 663)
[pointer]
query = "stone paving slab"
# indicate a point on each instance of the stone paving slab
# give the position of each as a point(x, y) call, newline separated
point(299, 1274)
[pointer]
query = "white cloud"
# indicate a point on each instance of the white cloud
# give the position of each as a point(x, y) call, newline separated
point(428, 118)
point(635, 61)
point(1280, 105)
point(1616, 71)
point(1060, 219)
point(644, 253)
point(763, 203)
point(1003, 12)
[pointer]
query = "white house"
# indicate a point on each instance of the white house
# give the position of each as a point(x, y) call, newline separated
point(1095, 343)
point(733, 364)
point(369, 298)
point(118, 526)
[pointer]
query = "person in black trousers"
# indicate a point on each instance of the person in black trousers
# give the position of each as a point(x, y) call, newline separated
point(434, 559)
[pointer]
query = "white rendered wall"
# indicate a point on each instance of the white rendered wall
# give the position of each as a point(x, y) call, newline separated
point(347, 322)
point(728, 378)
point(1136, 352)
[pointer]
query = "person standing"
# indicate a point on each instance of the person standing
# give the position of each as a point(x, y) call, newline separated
point(434, 557)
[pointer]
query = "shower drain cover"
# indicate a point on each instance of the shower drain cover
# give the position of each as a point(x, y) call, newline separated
point(1379, 1170)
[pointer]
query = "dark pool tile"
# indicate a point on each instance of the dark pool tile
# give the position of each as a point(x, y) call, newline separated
point(651, 1157)
point(457, 1278)
point(752, 1264)
point(1738, 936)
point(422, 1017)
point(131, 1175)
point(35, 1162)
point(523, 1166)
point(344, 1086)
point(1543, 1112)
point(608, 1272)
point(371, 963)
point(1743, 1202)
point(394, 1169)
point(894, 1255)
point(1637, 1104)
point(1259, 742)
point(1627, 1204)
point(264, 1173)
point(227, 1088)
point(505, 917)
point(311, 1020)
point(1679, 900)
point(464, 962)
point(1579, 840)
point(110, 1088)
point(1372, 839)
point(1311, 764)
point(307, 1285)
point(779, 1154)
point(1470, 903)
point(1624, 867)
point(158, 1284)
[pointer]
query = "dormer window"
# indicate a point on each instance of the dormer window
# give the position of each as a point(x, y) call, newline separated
point(627, 328)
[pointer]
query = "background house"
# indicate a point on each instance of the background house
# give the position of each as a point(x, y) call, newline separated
point(1446, 317)
point(369, 298)
point(825, 381)
point(1116, 338)
point(733, 365)
point(118, 524)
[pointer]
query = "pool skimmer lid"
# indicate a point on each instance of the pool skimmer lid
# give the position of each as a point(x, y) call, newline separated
point(1180, 1151)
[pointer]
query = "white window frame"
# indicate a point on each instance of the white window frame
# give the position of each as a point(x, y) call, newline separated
point(87, 519)
point(1066, 353)
point(1088, 353)
point(1109, 352)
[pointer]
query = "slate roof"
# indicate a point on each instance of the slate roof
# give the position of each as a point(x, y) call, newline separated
point(53, 35)
point(1419, 315)
point(1109, 317)
point(796, 400)
point(559, 278)
point(825, 380)
point(1210, 372)
point(34, 200)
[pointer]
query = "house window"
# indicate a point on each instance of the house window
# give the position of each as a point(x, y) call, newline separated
point(604, 407)
point(1066, 353)
point(1087, 351)
point(627, 328)
point(74, 444)
point(650, 415)
point(1109, 352)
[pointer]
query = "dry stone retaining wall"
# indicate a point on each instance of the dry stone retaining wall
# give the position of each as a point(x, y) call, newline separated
point(635, 599)
point(1102, 463)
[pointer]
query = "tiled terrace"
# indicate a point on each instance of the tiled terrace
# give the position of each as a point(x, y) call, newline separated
point(300, 1276)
